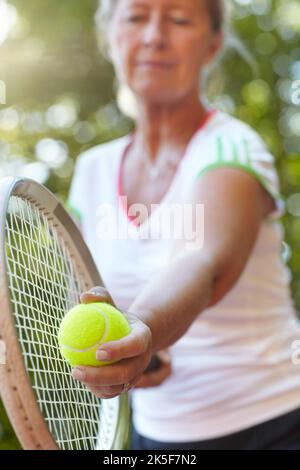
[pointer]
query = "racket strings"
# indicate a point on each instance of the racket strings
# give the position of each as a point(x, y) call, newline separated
point(45, 282)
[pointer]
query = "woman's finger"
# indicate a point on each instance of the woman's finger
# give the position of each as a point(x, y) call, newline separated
point(136, 343)
point(96, 294)
point(155, 378)
point(104, 396)
point(112, 391)
point(122, 372)
point(164, 355)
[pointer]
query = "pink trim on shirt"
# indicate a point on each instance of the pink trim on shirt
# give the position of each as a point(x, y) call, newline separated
point(204, 121)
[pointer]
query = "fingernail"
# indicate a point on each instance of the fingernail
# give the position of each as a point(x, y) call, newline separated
point(91, 294)
point(102, 355)
point(95, 291)
point(78, 374)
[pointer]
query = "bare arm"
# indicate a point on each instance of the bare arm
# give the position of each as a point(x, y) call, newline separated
point(170, 303)
point(235, 204)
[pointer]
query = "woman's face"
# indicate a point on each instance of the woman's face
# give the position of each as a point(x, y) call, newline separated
point(159, 47)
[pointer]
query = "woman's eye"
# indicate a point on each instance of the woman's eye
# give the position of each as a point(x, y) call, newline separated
point(135, 18)
point(181, 21)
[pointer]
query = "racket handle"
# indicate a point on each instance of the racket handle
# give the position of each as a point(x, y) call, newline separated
point(154, 364)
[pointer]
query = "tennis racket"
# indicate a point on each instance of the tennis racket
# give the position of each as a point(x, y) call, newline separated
point(44, 266)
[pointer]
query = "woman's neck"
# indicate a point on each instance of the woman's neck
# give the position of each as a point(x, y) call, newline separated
point(163, 128)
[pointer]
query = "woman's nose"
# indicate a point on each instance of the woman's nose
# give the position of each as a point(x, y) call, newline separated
point(154, 34)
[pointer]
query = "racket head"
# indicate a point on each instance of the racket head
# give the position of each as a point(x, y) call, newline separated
point(44, 266)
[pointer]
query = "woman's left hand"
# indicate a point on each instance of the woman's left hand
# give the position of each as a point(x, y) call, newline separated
point(158, 376)
point(133, 353)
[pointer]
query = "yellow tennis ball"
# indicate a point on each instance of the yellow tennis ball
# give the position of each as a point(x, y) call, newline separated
point(85, 327)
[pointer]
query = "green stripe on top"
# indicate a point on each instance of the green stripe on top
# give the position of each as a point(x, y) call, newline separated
point(247, 151)
point(232, 152)
point(235, 154)
point(239, 157)
point(220, 150)
point(250, 170)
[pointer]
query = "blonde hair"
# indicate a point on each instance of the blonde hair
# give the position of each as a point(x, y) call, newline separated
point(219, 13)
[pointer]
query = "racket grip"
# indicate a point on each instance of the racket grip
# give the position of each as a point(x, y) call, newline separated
point(154, 364)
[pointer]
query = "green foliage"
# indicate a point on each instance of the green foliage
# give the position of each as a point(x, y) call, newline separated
point(8, 440)
point(60, 88)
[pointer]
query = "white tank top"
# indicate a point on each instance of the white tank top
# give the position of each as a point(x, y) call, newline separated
point(233, 368)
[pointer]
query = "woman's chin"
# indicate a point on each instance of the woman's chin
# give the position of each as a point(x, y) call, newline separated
point(156, 96)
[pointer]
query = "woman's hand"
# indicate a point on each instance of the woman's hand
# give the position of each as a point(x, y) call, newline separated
point(132, 352)
point(158, 376)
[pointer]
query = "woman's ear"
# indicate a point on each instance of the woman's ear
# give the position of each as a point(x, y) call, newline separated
point(215, 46)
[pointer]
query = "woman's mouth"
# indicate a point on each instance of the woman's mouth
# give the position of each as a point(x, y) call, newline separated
point(155, 64)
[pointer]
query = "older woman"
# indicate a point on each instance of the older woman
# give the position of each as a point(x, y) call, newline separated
point(215, 290)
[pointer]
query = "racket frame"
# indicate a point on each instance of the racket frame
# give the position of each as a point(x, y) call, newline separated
point(17, 394)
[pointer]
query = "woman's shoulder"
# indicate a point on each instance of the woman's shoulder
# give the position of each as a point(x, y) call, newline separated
point(229, 127)
point(228, 138)
point(107, 151)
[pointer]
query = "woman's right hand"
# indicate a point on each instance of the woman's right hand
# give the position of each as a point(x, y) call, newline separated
point(148, 379)
point(129, 356)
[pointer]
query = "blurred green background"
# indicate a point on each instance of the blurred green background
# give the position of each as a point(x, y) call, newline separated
point(57, 97)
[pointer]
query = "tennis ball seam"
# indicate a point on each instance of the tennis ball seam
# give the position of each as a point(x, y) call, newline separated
point(101, 340)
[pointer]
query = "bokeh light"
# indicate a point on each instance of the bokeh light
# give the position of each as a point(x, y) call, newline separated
point(8, 19)
point(293, 205)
